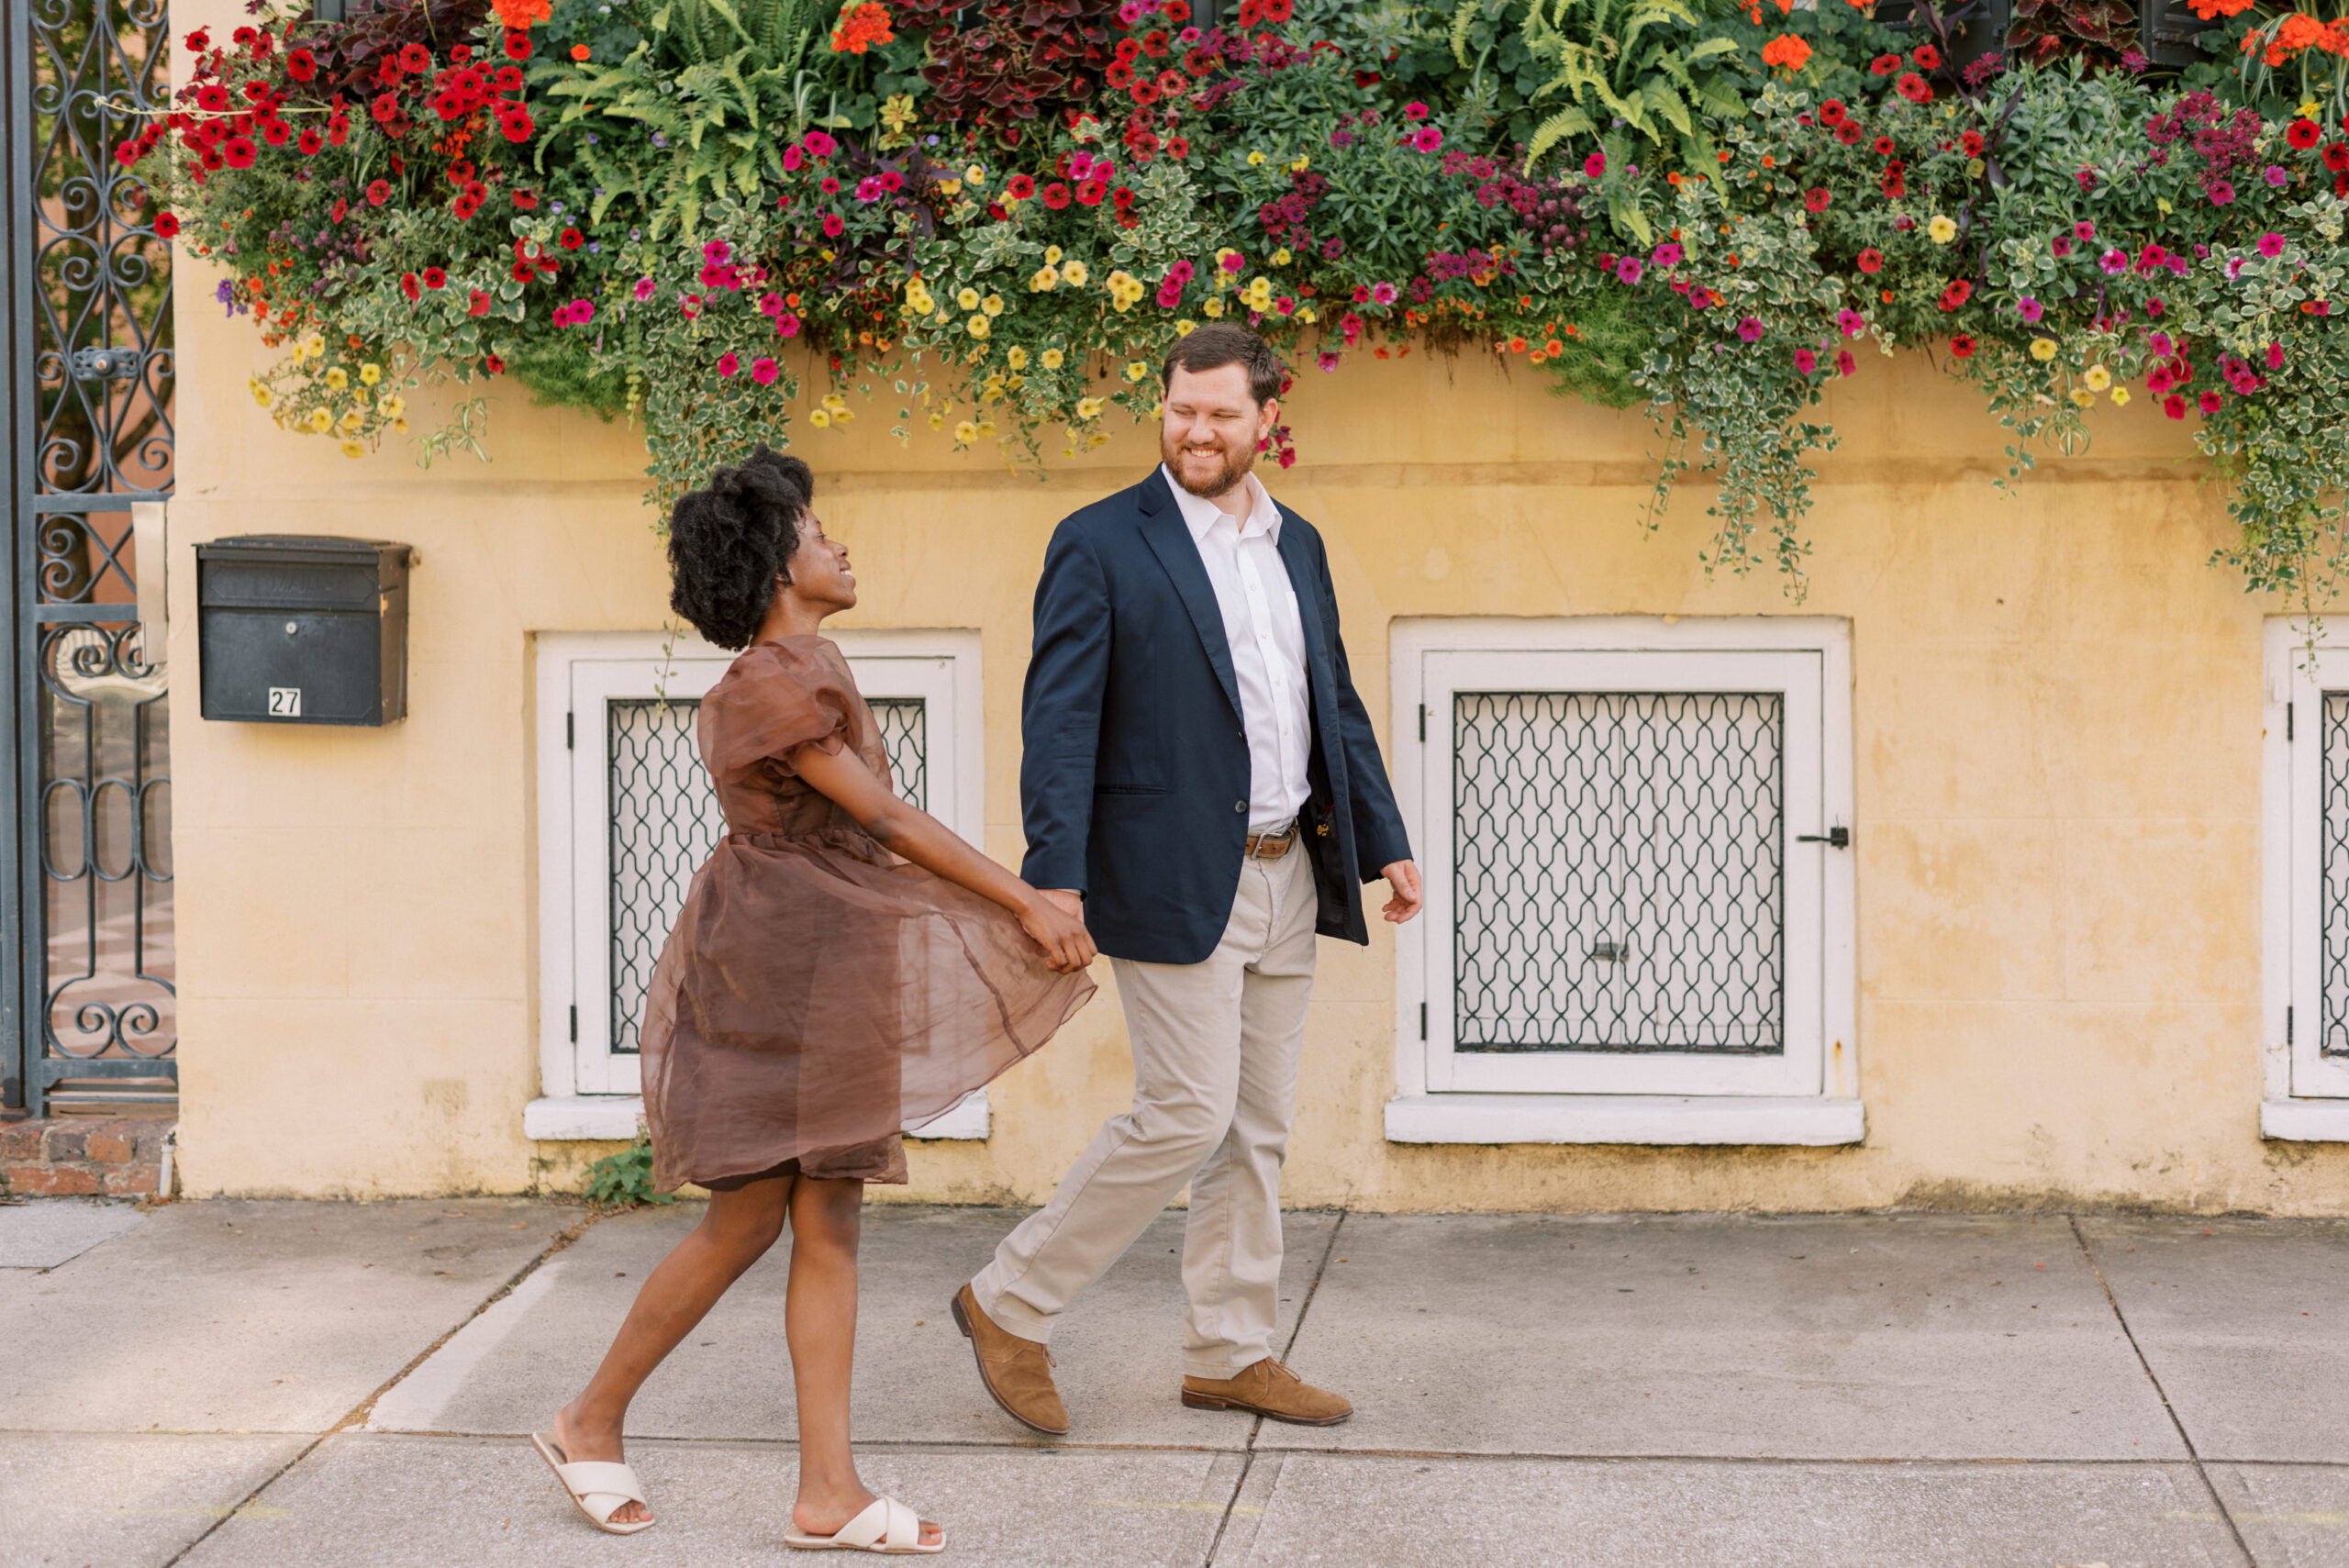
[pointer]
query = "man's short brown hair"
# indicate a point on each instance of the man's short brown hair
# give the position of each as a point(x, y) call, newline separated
point(1222, 343)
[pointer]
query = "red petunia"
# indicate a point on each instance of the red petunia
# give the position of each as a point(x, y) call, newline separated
point(1816, 200)
point(1882, 65)
point(1119, 75)
point(1056, 195)
point(480, 304)
point(277, 133)
point(435, 278)
point(1895, 183)
point(1849, 133)
point(378, 192)
point(1870, 260)
point(301, 64)
point(238, 152)
point(524, 272)
point(311, 142)
point(517, 45)
point(1883, 146)
point(1832, 112)
point(411, 285)
point(415, 59)
point(1927, 57)
point(1090, 191)
point(1957, 294)
point(1962, 345)
point(2303, 133)
point(571, 239)
point(494, 365)
point(1912, 87)
point(2336, 156)
point(1178, 146)
point(166, 225)
point(1972, 142)
point(1019, 187)
point(526, 201)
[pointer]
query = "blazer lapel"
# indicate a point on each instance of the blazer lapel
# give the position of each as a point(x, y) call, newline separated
point(1318, 672)
point(1169, 537)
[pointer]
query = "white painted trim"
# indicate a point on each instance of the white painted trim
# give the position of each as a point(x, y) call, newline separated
point(2305, 1121)
point(1624, 1118)
point(568, 1108)
point(554, 1118)
point(1837, 944)
point(2292, 873)
point(605, 1117)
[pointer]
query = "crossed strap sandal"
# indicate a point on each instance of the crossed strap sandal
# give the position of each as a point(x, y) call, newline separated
point(597, 1486)
point(885, 1525)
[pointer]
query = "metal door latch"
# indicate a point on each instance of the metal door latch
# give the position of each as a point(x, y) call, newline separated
point(1834, 838)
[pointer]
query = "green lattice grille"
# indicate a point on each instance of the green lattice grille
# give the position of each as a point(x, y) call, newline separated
point(2333, 1037)
point(1618, 860)
point(664, 822)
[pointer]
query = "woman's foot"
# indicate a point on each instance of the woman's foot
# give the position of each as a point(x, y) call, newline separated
point(581, 1441)
point(829, 1513)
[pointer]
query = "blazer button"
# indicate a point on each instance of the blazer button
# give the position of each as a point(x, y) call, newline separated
point(1239, 806)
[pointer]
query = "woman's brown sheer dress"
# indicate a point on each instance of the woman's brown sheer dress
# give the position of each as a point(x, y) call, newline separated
point(818, 993)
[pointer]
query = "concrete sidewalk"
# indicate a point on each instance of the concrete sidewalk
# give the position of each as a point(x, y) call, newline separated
point(232, 1383)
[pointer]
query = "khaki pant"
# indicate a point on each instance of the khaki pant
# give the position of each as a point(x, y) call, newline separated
point(1215, 1048)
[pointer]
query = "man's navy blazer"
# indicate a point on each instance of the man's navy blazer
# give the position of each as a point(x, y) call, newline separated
point(1134, 784)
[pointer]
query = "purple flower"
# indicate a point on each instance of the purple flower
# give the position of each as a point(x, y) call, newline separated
point(1749, 328)
point(2271, 244)
point(2114, 262)
point(2061, 245)
point(2155, 307)
point(1851, 322)
point(1667, 254)
point(2029, 308)
point(1630, 269)
point(2219, 193)
point(2087, 177)
point(1327, 359)
point(2274, 174)
point(716, 252)
point(2160, 344)
point(1342, 139)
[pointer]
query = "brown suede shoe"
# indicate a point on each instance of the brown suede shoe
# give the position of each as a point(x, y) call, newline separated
point(1018, 1372)
point(1270, 1390)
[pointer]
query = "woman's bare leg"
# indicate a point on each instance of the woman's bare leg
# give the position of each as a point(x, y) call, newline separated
point(735, 1233)
point(819, 1320)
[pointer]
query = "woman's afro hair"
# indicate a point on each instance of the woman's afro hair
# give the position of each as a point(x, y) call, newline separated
point(728, 544)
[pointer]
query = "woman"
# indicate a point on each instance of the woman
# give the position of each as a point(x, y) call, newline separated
point(842, 966)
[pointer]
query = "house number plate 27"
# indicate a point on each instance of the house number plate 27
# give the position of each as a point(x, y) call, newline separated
point(286, 702)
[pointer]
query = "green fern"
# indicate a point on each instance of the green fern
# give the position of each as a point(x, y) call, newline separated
point(1630, 61)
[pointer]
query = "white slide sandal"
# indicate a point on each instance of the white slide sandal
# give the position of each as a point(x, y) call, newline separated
point(886, 1526)
point(597, 1486)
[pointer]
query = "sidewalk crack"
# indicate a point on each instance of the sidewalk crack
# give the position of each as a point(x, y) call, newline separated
point(2193, 1454)
point(359, 1413)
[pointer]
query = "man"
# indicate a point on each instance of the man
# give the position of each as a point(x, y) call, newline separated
point(1201, 782)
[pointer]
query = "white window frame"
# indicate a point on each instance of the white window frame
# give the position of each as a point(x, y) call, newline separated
point(2306, 1096)
point(1808, 1095)
point(587, 1091)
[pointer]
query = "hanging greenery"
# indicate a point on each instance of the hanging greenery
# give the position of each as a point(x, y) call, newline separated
point(985, 225)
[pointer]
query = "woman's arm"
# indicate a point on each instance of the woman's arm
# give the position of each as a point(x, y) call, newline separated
point(842, 777)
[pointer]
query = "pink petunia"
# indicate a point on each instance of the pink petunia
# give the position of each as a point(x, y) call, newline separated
point(2274, 356)
point(770, 304)
point(786, 325)
point(764, 370)
point(1851, 322)
point(643, 290)
point(1594, 165)
point(1749, 328)
point(1805, 362)
point(1384, 294)
point(2210, 402)
point(2114, 262)
point(728, 364)
point(1844, 363)
point(2271, 245)
point(1630, 269)
point(2029, 308)
point(718, 252)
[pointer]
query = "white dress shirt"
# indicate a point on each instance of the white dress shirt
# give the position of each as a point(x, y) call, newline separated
point(1267, 642)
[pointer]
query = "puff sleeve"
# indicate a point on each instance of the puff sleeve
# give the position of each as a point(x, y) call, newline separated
point(775, 699)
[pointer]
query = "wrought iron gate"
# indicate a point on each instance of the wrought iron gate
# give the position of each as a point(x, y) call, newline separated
point(87, 1005)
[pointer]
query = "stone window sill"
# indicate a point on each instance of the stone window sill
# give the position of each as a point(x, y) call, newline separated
point(606, 1116)
point(1622, 1119)
point(2305, 1121)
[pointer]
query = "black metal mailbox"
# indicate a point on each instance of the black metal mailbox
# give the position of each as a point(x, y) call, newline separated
point(302, 629)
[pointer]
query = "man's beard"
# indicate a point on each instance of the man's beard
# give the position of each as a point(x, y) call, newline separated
point(1234, 469)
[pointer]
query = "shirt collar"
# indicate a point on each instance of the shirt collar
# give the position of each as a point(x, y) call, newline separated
point(1200, 514)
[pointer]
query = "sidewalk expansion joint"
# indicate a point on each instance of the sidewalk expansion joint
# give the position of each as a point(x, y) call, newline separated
point(358, 1414)
point(2192, 1453)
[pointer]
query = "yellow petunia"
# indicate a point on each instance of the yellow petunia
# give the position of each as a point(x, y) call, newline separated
point(390, 407)
point(401, 426)
point(1255, 160)
point(2083, 396)
point(1943, 229)
point(2120, 397)
point(1017, 358)
point(2097, 378)
point(977, 327)
point(354, 448)
point(337, 380)
point(321, 421)
point(1075, 273)
point(313, 347)
point(260, 394)
point(1186, 327)
point(986, 430)
point(1051, 359)
point(1214, 308)
point(1088, 407)
point(370, 373)
point(992, 304)
point(967, 432)
point(1052, 255)
point(1282, 257)
point(2043, 348)
point(820, 418)
point(975, 175)
point(352, 421)
point(937, 419)
point(968, 298)
point(1045, 279)
point(1136, 370)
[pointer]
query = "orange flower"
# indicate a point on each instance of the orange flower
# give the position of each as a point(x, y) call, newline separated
point(2210, 10)
point(1785, 52)
point(862, 24)
point(579, 52)
point(517, 15)
point(2298, 31)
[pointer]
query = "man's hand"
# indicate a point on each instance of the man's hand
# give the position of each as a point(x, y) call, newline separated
point(1067, 903)
point(1403, 878)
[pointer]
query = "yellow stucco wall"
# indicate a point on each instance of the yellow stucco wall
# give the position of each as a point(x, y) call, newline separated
point(2056, 711)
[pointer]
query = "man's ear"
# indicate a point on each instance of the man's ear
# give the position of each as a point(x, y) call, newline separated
point(1266, 416)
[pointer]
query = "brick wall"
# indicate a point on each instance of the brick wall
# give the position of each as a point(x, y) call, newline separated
point(119, 1156)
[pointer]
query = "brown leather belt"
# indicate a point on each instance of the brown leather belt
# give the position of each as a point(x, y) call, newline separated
point(1271, 846)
